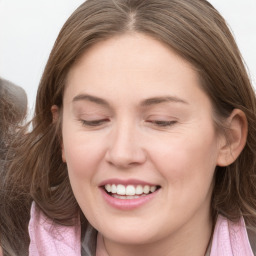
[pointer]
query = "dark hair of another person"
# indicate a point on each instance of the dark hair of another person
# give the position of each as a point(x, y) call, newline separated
point(197, 33)
point(13, 109)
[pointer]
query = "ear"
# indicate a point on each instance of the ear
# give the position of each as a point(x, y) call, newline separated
point(234, 140)
point(55, 113)
point(55, 117)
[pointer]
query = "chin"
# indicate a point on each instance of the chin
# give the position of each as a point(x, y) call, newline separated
point(137, 235)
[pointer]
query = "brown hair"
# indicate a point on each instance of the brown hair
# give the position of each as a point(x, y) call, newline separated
point(13, 109)
point(198, 33)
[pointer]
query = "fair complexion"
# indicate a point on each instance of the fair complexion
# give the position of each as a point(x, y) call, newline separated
point(134, 114)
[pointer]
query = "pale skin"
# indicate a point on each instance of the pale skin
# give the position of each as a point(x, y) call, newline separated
point(133, 109)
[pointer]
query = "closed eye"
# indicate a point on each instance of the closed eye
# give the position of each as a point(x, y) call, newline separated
point(94, 123)
point(162, 123)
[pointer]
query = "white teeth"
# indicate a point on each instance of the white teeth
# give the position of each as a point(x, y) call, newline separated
point(108, 187)
point(129, 190)
point(113, 189)
point(152, 189)
point(120, 189)
point(125, 197)
point(139, 190)
point(146, 189)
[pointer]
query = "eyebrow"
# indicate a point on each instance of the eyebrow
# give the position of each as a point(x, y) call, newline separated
point(87, 97)
point(164, 99)
point(144, 103)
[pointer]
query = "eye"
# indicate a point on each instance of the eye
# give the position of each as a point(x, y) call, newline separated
point(162, 123)
point(94, 123)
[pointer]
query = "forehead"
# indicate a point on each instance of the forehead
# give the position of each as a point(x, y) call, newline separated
point(131, 64)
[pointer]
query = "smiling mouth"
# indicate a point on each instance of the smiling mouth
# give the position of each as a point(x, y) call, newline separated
point(129, 191)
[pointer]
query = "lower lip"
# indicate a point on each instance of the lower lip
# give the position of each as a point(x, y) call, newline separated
point(127, 204)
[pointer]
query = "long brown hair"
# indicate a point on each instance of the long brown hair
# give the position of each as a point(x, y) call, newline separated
point(199, 34)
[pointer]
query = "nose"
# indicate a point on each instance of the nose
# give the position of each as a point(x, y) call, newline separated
point(125, 147)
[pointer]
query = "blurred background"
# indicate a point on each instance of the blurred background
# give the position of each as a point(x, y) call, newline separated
point(28, 29)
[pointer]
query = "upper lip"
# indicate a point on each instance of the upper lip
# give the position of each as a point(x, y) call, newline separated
point(126, 182)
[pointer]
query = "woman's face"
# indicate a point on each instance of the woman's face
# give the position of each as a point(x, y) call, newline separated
point(137, 124)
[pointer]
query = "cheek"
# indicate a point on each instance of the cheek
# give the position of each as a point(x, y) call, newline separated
point(82, 157)
point(81, 153)
point(187, 161)
point(188, 171)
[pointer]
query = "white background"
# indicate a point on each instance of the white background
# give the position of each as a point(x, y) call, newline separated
point(28, 29)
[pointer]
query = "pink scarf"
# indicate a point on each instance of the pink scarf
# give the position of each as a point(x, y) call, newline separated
point(230, 239)
point(48, 238)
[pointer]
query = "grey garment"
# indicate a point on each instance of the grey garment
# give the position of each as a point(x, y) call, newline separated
point(209, 249)
point(89, 242)
point(252, 239)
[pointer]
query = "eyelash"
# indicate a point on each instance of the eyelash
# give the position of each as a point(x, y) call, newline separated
point(96, 123)
point(161, 123)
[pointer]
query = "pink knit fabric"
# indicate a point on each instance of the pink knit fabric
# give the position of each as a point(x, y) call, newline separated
point(49, 239)
point(230, 239)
